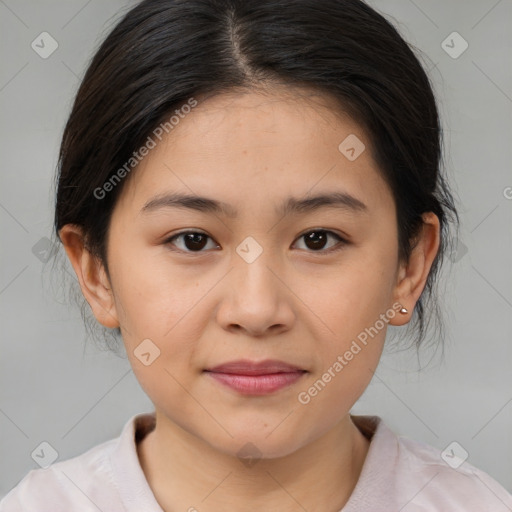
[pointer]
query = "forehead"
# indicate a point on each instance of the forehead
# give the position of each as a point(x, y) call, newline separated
point(243, 147)
point(294, 114)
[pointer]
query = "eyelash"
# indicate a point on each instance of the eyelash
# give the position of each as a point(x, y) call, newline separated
point(337, 247)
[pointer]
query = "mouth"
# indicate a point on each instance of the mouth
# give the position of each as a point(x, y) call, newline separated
point(256, 378)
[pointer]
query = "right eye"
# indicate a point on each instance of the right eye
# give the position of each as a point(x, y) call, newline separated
point(191, 241)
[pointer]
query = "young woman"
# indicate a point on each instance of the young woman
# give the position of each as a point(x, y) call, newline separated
point(250, 193)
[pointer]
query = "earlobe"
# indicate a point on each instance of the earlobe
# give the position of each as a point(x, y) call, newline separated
point(91, 275)
point(412, 276)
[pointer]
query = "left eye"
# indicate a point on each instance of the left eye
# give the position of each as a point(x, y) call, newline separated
point(316, 239)
point(195, 241)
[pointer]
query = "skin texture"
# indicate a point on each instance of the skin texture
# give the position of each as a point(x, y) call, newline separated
point(295, 303)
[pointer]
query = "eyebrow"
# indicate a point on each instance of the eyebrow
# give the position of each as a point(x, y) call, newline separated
point(290, 206)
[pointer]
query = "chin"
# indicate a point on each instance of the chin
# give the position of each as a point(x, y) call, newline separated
point(257, 443)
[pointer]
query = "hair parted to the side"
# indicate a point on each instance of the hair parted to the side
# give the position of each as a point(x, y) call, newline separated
point(163, 52)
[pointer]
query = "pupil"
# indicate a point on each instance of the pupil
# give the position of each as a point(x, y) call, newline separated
point(316, 240)
point(196, 239)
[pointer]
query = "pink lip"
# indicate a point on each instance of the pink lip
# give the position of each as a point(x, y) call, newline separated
point(252, 378)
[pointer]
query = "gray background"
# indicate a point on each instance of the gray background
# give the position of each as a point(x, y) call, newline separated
point(54, 387)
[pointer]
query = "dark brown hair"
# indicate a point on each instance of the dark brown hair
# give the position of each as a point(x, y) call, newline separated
point(163, 52)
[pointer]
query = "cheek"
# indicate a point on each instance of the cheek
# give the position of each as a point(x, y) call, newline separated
point(163, 312)
point(334, 391)
point(153, 297)
point(351, 295)
point(347, 357)
point(354, 307)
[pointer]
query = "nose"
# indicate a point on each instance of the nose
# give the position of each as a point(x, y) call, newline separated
point(256, 299)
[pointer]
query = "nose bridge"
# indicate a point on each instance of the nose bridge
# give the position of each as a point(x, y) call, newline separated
point(252, 272)
point(256, 300)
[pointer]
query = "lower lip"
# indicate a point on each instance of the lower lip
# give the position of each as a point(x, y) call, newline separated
point(257, 384)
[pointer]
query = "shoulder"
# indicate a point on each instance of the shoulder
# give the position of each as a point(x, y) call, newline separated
point(447, 479)
point(415, 476)
point(74, 484)
point(107, 477)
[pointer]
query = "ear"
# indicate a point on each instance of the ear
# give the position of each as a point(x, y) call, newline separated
point(412, 275)
point(91, 276)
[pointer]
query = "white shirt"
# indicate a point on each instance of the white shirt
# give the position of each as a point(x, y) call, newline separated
point(398, 475)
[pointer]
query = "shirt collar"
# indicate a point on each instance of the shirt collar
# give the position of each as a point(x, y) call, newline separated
point(136, 494)
point(129, 478)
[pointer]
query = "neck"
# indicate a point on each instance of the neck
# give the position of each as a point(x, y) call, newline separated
point(186, 473)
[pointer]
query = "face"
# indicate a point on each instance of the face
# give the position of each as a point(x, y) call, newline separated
point(199, 286)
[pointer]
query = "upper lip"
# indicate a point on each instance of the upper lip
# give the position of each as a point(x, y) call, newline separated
point(246, 367)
